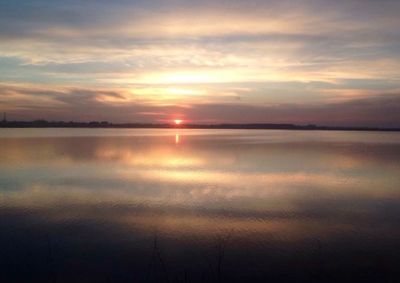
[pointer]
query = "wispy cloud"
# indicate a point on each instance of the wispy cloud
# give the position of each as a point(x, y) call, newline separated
point(175, 54)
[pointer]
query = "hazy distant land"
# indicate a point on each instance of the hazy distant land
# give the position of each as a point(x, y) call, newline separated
point(105, 124)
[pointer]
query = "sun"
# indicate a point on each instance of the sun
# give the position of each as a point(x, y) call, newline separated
point(177, 122)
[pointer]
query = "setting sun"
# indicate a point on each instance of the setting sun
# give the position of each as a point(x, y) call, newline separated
point(177, 122)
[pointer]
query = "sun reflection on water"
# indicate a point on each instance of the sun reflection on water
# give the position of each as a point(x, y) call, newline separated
point(270, 191)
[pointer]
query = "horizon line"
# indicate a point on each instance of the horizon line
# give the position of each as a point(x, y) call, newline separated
point(42, 123)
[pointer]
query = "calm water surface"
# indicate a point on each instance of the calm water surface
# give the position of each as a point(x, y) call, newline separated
point(150, 205)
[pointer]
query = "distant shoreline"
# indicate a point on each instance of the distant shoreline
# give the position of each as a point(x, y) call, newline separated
point(252, 126)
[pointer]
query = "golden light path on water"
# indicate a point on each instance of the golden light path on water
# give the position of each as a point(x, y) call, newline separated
point(272, 193)
point(233, 172)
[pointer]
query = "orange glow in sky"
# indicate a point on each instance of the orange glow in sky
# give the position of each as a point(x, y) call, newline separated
point(207, 62)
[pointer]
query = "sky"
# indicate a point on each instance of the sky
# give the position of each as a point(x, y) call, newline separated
point(211, 61)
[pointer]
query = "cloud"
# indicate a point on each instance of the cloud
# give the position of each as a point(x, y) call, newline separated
point(380, 109)
point(307, 52)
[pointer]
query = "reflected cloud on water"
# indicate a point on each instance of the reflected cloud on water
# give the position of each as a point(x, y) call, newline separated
point(276, 196)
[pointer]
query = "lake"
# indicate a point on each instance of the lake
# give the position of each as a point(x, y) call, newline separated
point(180, 205)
